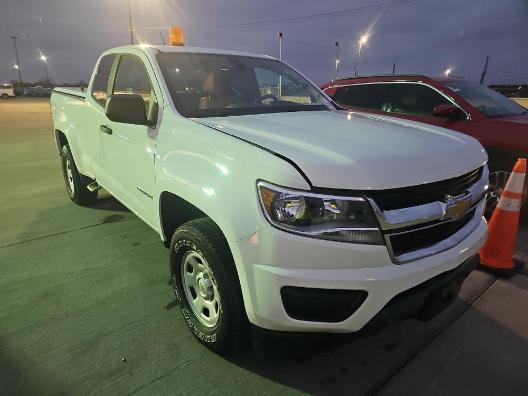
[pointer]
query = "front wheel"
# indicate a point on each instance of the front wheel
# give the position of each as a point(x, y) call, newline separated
point(207, 287)
point(76, 189)
point(5, 96)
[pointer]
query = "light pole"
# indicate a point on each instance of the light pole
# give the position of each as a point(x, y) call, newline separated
point(44, 60)
point(130, 26)
point(337, 59)
point(361, 42)
point(280, 35)
point(17, 66)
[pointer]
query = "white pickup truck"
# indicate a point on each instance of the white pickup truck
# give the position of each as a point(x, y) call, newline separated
point(7, 91)
point(283, 213)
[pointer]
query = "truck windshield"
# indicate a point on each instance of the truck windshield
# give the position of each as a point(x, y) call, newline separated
point(489, 102)
point(209, 85)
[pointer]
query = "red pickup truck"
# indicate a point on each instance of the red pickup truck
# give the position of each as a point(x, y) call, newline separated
point(500, 124)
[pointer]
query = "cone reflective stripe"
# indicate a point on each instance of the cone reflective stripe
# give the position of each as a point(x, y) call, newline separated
point(510, 204)
point(497, 253)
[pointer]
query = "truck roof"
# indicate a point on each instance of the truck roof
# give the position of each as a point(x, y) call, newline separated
point(396, 77)
point(170, 48)
point(378, 78)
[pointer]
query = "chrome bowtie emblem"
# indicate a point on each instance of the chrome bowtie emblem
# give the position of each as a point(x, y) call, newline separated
point(456, 206)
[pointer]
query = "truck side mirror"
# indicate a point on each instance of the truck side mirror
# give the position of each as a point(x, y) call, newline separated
point(126, 108)
point(449, 111)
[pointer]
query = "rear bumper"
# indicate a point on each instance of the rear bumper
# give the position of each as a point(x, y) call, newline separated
point(273, 259)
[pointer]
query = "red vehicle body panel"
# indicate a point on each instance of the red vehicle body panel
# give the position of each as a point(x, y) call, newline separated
point(505, 138)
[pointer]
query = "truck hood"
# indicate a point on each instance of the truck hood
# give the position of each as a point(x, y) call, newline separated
point(350, 150)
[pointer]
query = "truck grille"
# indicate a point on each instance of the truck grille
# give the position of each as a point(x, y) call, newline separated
point(409, 241)
point(423, 220)
point(398, 198)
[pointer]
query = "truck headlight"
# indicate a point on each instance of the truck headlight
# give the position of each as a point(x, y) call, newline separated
point(346, 219)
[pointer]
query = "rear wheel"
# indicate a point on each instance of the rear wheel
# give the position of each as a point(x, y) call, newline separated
point(207, 287)
point(76, 189)
point(5, 96)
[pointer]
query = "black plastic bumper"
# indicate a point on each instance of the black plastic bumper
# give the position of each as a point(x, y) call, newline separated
point(426, 300)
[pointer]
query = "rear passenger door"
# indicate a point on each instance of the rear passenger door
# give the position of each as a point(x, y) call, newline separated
point(129, 150)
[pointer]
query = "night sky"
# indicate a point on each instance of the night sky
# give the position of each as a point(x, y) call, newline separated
point(421, 36)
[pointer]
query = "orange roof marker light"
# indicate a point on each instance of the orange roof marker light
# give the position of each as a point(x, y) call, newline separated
point(175, 35)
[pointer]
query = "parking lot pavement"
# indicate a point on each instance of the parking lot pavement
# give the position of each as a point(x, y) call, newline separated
point(484, 352)
point(85, 306)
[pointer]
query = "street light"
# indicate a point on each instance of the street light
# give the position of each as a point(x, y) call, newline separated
point(363, 40)
point(448, 71)
point(44, 60)
point(130, 25)
point(17, 61)
point(337, 59)
point(16, 67)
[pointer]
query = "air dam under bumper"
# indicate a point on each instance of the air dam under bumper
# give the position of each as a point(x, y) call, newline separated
point(313, 263)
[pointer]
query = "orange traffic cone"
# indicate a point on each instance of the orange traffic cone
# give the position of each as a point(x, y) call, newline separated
point(497, 253)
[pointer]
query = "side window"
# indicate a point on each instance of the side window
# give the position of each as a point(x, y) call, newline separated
point(414, 99)
point(366, 96)
point(100, 83)
point(132, 78)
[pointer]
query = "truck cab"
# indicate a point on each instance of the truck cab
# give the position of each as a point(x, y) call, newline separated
point(7, 91)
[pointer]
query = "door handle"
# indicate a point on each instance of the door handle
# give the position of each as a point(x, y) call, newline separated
point(105, 129)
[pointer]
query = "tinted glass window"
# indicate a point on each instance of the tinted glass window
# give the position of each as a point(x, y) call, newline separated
point(206, 85)
point(100, 83)
point(132, 78)
point(414, 99)
point(491, 103)
point(367, 96)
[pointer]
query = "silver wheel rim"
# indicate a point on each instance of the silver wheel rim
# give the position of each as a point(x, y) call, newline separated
point(69, 177)
point(200, 288)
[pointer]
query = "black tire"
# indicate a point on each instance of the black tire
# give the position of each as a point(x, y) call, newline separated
point(5, 96)
point(230, 333)
point(76, 189)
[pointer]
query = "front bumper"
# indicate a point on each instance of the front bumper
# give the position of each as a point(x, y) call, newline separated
point(272, 259)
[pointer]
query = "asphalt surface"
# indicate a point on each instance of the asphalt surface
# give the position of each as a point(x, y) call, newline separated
point(85, 307)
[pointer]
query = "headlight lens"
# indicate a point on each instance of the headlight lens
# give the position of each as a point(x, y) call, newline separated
point(347, 219)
